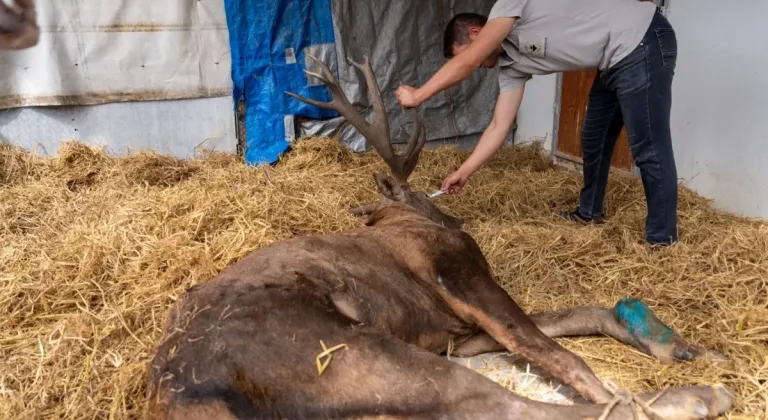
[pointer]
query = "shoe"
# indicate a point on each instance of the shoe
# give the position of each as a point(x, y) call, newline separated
point(575, 216)
point(658, 246)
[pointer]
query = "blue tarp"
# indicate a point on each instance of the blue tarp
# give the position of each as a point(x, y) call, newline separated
point(264, 37)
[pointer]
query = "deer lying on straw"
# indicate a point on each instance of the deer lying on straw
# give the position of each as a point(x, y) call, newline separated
point(384, 301)
point(18, 25)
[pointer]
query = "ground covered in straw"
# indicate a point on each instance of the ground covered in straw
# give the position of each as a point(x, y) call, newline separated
point(95, 249)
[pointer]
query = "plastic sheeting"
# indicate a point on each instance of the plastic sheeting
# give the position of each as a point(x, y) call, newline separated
point(402, 38)
point(269, 43)
point(97, 51)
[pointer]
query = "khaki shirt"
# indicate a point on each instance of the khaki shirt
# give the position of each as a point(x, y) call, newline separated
point(554, 36)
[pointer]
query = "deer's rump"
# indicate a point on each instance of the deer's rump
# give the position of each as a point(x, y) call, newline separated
point(249, 338)
point(256, 356)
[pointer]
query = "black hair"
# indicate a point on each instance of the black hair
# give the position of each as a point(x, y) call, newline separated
point(457, 31)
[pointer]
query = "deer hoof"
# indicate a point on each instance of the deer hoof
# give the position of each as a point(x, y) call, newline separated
point(689, 403)
point(656, 338)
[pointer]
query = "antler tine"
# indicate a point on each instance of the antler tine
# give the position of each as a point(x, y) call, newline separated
point(381, 141)
point(382, 119)
point(415, 145)
point(377, 133)
point(340, 103)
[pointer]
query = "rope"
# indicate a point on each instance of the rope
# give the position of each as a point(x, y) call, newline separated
point(625, 397)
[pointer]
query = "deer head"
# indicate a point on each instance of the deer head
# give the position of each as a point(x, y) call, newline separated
point(394, 187)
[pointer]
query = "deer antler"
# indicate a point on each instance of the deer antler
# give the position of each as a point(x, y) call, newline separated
point(377, 134)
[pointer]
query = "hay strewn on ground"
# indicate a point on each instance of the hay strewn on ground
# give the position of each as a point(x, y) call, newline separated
point(95, 249)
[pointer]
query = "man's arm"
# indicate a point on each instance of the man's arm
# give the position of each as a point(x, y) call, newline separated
point(461, 66)
point(507, 105)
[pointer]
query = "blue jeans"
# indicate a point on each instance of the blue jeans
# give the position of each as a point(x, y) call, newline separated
point(635, 93)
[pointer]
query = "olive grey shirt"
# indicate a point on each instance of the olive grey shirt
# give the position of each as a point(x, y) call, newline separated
point(553, 36)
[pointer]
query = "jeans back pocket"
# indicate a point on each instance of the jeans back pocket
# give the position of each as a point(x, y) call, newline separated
point(668, 46)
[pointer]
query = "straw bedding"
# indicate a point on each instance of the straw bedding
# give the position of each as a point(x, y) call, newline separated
point(95, 249)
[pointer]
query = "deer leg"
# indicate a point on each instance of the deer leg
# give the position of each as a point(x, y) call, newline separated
point(631, 322)
point(479, 343)
point(481, 300)
point(401, 381)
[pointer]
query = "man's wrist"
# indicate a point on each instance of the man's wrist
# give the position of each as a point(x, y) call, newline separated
point(465, 170)
point(420, 95)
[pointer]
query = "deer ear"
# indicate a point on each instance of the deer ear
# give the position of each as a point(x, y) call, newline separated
point(388, 187)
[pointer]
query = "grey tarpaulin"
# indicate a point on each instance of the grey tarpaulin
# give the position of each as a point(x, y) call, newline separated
point(403, 39)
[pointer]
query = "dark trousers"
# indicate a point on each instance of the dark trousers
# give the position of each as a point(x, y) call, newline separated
point(635, 93)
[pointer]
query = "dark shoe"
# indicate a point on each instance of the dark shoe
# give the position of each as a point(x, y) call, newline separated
point(658, 246)
point(575, 216)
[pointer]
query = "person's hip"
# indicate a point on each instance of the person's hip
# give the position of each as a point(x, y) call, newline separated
point(656, 53)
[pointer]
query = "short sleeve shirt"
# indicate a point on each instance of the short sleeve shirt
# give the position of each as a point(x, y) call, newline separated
point(553, 36)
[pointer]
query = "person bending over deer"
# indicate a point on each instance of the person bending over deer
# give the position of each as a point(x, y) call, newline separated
point(632, 46)
point(384, 301)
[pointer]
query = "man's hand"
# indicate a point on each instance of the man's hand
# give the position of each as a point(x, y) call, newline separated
point(461, 66)
point(407, 96)
point(491, 141)
point(454, 182)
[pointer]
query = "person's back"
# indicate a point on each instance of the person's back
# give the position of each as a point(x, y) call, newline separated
point(567, 35)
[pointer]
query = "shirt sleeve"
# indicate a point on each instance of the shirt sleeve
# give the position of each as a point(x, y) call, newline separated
point(507, 9)
point(511, 79)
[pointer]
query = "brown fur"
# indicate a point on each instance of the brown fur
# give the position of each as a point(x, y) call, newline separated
point(248, 338)
point(396, 292)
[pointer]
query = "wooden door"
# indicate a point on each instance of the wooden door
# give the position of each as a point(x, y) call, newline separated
point(573, 107)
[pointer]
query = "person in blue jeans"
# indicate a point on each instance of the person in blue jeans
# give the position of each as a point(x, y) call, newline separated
point(634, 50)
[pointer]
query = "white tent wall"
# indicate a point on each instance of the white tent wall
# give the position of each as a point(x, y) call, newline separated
point(93, 52)
point(535, 121)
point(720, 101)
point(157, 75)
point(178, 127)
